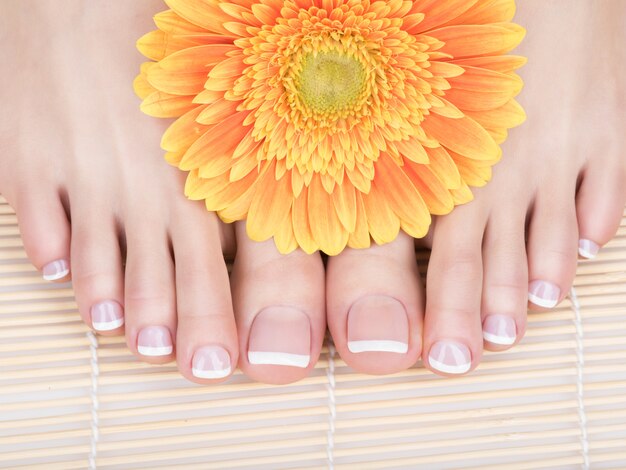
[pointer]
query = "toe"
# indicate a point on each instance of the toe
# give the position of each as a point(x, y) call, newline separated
point(375, 306)
point(505, 280)
point(150, 300)
point(279, 306)
point(552, 248)
point(599, 206)
point(206, 337)
point(453, 340)
point(45, 232)
point(97, 270)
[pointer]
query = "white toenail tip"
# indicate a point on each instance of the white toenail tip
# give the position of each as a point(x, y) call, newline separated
point(378, 346)
point(278, 359)
point(448, 369)
point(586, 254)
point(495, 339)
point(211, 374)
point(155, 351)
point(56, 276)
point(108, 326)
point(541, 302)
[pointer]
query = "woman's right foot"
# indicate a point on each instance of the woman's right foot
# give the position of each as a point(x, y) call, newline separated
point(95, 200)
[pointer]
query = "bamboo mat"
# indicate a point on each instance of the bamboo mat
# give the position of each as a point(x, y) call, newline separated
point(69, 399)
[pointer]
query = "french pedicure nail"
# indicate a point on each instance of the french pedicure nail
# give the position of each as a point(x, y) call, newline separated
point(378, 324)
point(280, 336)
point(154, 341)
point(56, 270)
point(587, 248)
point(499, 329)
point(107, 316)
point(544, 294)
point(211, 362)
point(450, 357)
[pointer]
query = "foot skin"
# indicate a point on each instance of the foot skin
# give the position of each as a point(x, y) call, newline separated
point(97, 203)
point(558, 195)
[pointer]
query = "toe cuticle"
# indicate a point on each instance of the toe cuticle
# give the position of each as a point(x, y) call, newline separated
point(107, 315)
point(378, 324)
point(155, 341)
point(499, 329)
point(544, 294)
point(280, 336)
point(450, 357)
point(56, 270)
point(588, 249)
point(211, 362)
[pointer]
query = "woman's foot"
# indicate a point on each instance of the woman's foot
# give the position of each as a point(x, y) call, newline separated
point(95, 200)
point(558, 193)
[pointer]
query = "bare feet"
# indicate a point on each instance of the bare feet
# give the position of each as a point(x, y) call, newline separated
point(82, 167)
point(559, 192)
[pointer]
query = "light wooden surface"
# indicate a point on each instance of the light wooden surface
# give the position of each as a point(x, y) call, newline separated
point(69, 399)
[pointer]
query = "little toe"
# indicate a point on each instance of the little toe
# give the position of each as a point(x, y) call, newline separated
point(505, 281)
point(279, 306)
point(97, 274)
point(150, 299)
point(45, 232)
point(453, 340)
point(375, 306)
point(599, 206)
point(206, 335)
point(552, 248)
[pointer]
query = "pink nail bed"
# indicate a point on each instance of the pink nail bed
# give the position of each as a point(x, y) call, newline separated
point(107, 316)
point(544, 294)
point(56, 270)
point(154, 341)
point(450, 357)
point(211, 362)
point(587, 248)
point(499, 329)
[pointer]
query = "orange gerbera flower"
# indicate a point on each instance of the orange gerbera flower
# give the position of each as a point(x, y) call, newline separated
point(328, 123)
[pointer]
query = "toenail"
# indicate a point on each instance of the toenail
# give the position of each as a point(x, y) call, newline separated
point(154, 341)
point(587, 248)
point(211, 362)
point(499, 329)
point(544, 294)
point(280, 336)
point(378, 324)
point(450, 357)
point(56, 270)
point(107, 315)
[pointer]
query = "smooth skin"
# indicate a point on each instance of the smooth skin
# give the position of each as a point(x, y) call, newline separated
point(82, 168)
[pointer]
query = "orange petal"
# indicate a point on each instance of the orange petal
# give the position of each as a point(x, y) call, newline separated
point(301, 226)
point(164, 105)
point(184, 131)
point(442, 165)
point(284, 237)
point(270, 206)
point(173, 23)
point(508, 116)
point(435, 194)
point(197, 59)
point(360, 238)
point(438, 12)
point(176, 83)
point(483, 80)
point(395, 186)
point(232, 192)
point(218, 111)
point(464, 136)
point(204, 13)
point(499, 63)
point(462, 195)
point(413, 150)
point(344, 200)
point(382, 223)
point(487, 11)
point(325, 225)
point(476, 40)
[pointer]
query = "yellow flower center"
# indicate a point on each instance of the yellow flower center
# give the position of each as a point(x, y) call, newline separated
point(331, 82)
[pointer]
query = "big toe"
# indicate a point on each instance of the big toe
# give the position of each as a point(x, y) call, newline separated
point(375, 306)
point(279, 307)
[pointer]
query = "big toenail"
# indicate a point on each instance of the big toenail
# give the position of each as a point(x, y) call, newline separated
point(450, 357)
point(544, 294)
point(107, 316)
point(211, 362)
point(378, 324)
point(587, 248)
point(280, 336)
point(56, 270)
point(499, 329)
point(154, 341)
